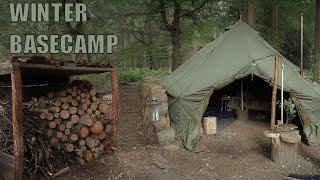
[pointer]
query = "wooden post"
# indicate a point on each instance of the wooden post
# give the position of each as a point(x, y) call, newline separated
point(274, 92)
point(17, 122)
point(115, 95)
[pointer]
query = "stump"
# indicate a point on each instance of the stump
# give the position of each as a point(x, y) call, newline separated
point(171, 152)
point(209, 125)
point(242, 114)
point(166, 136)
point(284, 149)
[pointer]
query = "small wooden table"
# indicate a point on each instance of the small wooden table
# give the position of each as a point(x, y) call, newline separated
point(224, 103)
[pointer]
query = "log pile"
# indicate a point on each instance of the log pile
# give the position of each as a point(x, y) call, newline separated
point(74, 119)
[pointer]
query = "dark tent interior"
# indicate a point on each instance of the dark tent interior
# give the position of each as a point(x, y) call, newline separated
point(257, 95)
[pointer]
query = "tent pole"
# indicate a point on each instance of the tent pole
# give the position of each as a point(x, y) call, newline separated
point(282, 68)
point(301, 46)
point(241, 95)
point(274, 92)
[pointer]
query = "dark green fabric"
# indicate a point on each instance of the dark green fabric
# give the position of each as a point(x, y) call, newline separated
point(237, 53)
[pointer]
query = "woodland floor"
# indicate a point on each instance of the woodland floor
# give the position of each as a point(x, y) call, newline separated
point(240, 151)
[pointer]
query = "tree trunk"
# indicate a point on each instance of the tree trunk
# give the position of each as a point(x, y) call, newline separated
point(250, 13)
point(176, 45)
point(242, 14)
point(316, 61)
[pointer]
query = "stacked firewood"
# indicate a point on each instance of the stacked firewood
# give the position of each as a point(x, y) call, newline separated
point(74, 119)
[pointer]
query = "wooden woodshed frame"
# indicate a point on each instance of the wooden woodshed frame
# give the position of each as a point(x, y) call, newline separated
point(17, 70)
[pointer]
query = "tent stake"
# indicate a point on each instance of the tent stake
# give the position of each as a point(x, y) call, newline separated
point(274, 92)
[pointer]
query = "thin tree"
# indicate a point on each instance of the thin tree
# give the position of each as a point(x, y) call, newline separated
point(316, 60)
point(250, 13)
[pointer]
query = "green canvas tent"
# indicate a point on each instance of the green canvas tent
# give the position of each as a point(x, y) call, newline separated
point(236, 54)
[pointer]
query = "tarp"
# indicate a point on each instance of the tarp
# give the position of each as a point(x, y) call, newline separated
point(237, 53)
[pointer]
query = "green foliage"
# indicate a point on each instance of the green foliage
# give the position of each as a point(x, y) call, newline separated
point(128, 74)
point(289, 107)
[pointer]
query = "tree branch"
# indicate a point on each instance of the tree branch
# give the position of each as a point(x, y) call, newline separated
point(189, 13)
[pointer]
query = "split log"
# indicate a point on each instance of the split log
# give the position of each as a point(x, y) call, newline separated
point(69, 99)
point(97, 127)
point(64, 138)
point(54, 141)
point(74, 94)
point(62, 100)
point(94, 106)
point(54, 109)
point(57, 121)
point(49, 132)
point(93, 92)
point(39, 110)
point(103, 108)
point(74, 88)
point(102, 135)
point(62, 127)
point(56, 103)
point(73, 110)
point(83, 148)
point(69, 147)
point(93, 98)
point(93, 117)
point(74, 137)
point(42, 105)
point(89, 111)
point(83, 95)
point(52, 125)
point(80, 112)
point(78, 98)
point(74, 119)
point(74, 102)
point(171, 152)
point(68, 124)
point(79, 153)
point(63, 93)
point(81, 130)
point(64, 105)
point(43, 116)
point(80, 161)
point(97, 112)
point(64, 114)
point(89, 142)
point(96, 142)
point(69, 90)
point(101, 147)
point(81, 142)
point(67, 131)
point(58, 134)
point(56, 115)
point(88, 156)
point(49, 116)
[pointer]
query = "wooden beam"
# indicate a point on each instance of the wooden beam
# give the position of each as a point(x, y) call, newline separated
point(7, 69)
point(67, 69)
point(274, 92)
point(17, 122)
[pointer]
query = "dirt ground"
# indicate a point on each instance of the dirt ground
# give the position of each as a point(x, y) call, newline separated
point(240, 151)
